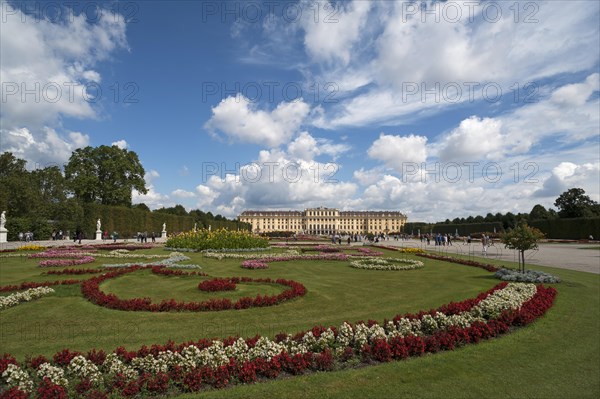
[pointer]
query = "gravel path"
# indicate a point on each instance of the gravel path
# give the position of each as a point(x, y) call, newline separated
point(564, 256)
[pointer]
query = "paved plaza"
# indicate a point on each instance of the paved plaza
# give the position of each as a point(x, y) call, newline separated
point(573, 256)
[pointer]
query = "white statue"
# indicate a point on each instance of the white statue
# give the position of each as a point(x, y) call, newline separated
point(164, 227)
point(194, 226)
point(2, 219)
point(209, 227)
point(98, 225)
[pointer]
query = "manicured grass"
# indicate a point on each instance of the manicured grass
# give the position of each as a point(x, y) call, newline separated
point(556, 357)
point(145, 284)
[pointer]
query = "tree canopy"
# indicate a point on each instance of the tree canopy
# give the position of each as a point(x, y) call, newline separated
point(573, 203)
point(106, 175)
point(522, 238)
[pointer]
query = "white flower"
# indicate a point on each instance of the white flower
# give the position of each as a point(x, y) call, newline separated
point(14, 376)
point(53, 373)
point(24, 296)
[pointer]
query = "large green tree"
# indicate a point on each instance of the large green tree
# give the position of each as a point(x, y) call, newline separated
point(573, 203)
point(106, 175)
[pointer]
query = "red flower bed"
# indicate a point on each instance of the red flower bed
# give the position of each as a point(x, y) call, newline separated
point(377, 350)
point(75, 271)
point(485, 266)
point(165, 271)
point(217, 284)
point(26, 285)
point(91, 290)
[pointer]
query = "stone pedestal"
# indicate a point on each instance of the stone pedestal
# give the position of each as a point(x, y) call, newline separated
point(98, 235)
point(3, 234)
point(163, 234)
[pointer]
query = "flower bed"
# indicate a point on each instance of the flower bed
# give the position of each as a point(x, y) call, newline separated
point(192, 367)
point(529, 276)
point(403, 250)
point(28, 284)
point(366, 251)
point(217, 285)
point(75, 271)
point(66, 262)
point(31, 247)
point(321, 248)
point(24, 296)
point(262, 263)
point(386, 264)
point(485, 266)
point(172, 261)
point(63, 257)
point(91, 290)
point(218, 239)
point(228, 255)
point(254, 264)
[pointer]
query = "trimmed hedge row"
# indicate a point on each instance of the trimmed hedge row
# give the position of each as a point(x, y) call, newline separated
point(573, 229)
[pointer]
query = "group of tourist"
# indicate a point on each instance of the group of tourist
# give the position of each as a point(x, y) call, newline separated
point(58, 235)
point(143, 236)
point(28, 236)
point(439, 239)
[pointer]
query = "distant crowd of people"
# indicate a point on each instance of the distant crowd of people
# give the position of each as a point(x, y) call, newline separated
point(143, 236)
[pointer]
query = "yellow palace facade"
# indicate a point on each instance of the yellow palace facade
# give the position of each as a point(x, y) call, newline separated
point(325, 221)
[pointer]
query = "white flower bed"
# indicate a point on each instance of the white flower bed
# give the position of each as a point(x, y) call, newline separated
point(513, 296)
point(14, 376)
point(227, 255)
point(229, 250)
point(124, 254)
point(372, 263)
point(23, 296)
point(171, 261)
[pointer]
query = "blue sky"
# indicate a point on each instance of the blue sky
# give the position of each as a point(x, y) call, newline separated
point(439, 110)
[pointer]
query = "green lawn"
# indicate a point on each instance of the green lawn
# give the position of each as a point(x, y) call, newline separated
point(556, 357)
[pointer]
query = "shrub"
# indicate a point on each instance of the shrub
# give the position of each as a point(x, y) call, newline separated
point(529, 276)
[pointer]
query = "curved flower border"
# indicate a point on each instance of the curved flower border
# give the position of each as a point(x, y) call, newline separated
point(192, 367)
point(91, 290)
point(262, 263)
point(23, 296)
point(386, 264)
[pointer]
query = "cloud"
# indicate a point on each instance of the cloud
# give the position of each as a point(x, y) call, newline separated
point(240, 120)
point(122, 144)
point(46, 68)
point(395, 151)
point(474, 139)
point(416, 60)
point(153, 199)
point(179, 193)
point(306, 147)
point(48, 147)
point(568, 174)
point(332, 30)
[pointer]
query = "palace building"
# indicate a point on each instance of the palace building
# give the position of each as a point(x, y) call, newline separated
point(325, 221)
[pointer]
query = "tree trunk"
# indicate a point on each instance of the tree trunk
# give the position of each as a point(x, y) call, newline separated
point(523, 262)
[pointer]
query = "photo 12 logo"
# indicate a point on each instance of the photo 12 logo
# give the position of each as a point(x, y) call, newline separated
point(270, 172)
point(53, 92)
point(457, 92)
point(254, 12)
point(68, 11)
point(271, 91)
point(454, 172)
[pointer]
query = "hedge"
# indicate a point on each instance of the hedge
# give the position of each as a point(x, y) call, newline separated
point(571, 229)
